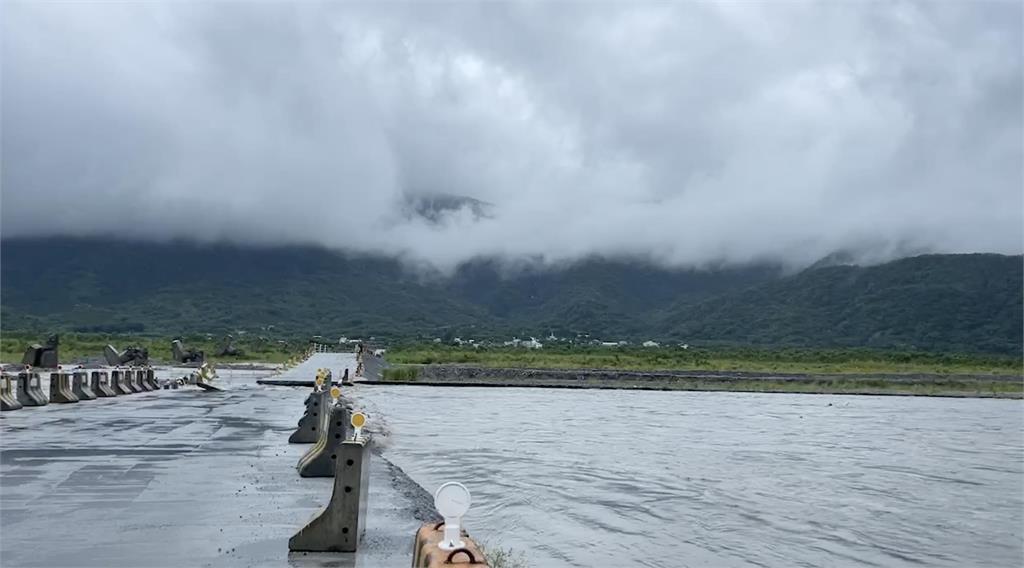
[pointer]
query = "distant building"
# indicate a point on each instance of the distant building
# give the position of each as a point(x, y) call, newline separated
point(531, 344)
point(650, 343)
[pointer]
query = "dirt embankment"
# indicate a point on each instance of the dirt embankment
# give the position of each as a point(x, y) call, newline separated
point(920, 384)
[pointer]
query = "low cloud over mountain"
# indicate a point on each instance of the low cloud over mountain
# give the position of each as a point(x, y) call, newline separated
point(690, 134)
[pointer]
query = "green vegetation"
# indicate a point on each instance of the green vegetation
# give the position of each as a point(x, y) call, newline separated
point(996, 386)
point(74, 346)
point(934, 302)
point(786, 360)
point(400, 374)
point(499, 557)
point(937, 303)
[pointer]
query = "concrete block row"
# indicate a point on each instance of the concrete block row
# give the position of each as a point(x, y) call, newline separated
point(339, 450)
point(335, 452)
point(312, 422)
point(25, 389)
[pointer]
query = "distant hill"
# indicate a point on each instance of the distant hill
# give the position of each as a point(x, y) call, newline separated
point(932, 302)
point(955, 302)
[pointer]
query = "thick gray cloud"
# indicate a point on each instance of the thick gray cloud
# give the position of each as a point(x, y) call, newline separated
point(688, 134)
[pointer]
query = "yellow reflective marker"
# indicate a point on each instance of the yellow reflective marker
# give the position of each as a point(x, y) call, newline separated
point(358, 420)
point(319, 381)
point(335, 392)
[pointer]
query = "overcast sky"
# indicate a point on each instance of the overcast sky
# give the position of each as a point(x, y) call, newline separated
point(684, 133)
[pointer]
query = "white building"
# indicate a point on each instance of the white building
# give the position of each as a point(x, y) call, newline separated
point(532, 344)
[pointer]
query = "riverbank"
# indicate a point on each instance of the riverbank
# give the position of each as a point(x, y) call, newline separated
point(911, 384)
point(782, 360)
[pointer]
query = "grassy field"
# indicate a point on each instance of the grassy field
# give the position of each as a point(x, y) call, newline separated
point(76, 346)
point(785, 360)
point(789, 360)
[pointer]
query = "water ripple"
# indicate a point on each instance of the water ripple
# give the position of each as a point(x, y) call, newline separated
point(629, 478)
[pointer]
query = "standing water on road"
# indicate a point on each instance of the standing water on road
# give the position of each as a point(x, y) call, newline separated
point(630, 478)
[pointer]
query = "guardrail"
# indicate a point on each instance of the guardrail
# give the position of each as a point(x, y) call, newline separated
point(340, 450)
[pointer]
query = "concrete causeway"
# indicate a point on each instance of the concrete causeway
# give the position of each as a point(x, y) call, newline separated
point(182, 478)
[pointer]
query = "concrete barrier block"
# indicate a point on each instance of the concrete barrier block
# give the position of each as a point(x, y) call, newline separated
point(340, 525)
point(308, 429)
point(126, 381)
point(118, 384)
point(29, 391)
point(112, 355)
point(140, 380)
point(60, 388)
point(131, 376)
point(135, 380)
point(80, 385)
point(150, 379)
point(100, 384)
point(321, 438)
point(8, 396)
point(427, 553)
point(320, 459)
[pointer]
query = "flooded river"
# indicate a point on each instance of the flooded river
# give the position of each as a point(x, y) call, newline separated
point(632, 478)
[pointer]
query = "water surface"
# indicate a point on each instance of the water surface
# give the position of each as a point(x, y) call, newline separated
point(642, 478)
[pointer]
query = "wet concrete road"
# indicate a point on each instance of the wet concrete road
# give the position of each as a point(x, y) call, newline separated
point(180, 478)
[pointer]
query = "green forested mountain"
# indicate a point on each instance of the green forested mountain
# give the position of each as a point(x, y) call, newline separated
point(961, 302)
point(926, 302)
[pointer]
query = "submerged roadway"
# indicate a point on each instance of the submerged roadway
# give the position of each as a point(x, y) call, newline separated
point(183, 478)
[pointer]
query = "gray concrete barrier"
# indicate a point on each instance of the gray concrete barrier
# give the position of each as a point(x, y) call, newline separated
point(135, 380)
point(150, 379)
point(319, 460)
point(8, 398)
point(308, 429)
point(100, 384)
point(118, 384)
point(131, 376)
point(28, 389)
point(80, 386)
point(340, 525)
point(127, 376)
point(140, 380)
point(60, 388)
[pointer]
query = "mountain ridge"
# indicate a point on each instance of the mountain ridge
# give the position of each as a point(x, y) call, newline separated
point(966, 302)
